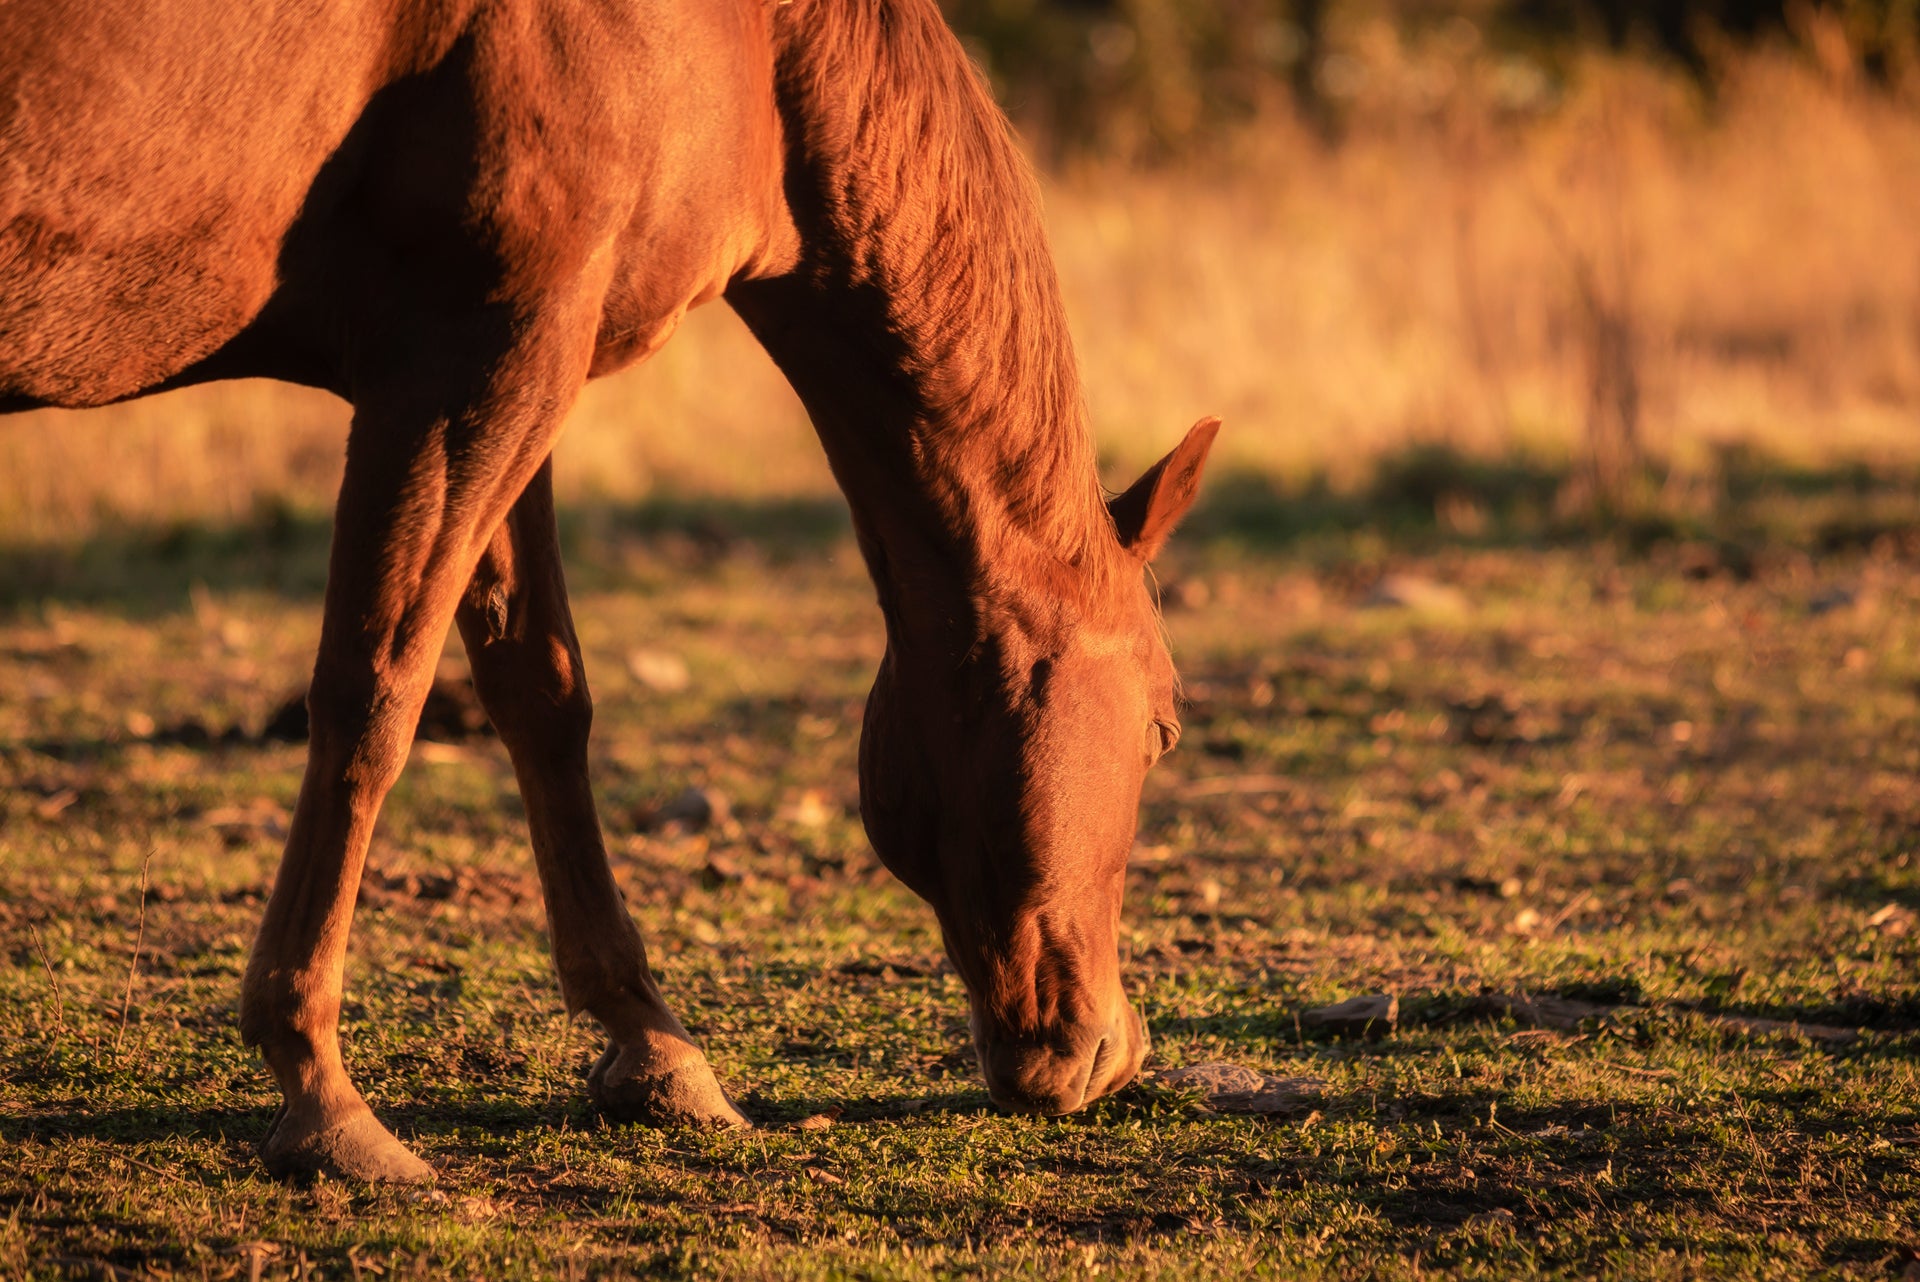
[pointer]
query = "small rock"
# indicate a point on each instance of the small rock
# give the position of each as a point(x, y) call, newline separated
point(1371, 1017)
point(1831, 599)
point(660, 670)
point(694, 809)
point(819, 1121)
point(1415, 593)
point(1233, 1088)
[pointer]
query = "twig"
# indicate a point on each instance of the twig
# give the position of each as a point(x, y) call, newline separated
point(162, 1172)
point(59, 1004)
point(1760, 1162)
point(133, 966)
point(1560, 919)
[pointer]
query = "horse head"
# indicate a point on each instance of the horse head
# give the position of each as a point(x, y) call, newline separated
point(1002, 784)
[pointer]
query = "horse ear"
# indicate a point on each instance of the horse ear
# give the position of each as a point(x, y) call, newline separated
point(1146, 514)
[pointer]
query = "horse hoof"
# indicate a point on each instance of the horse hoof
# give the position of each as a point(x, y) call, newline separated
point(359, 1148)
point(628, 1088)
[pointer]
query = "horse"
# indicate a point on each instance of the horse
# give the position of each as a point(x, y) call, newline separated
point(452, 213)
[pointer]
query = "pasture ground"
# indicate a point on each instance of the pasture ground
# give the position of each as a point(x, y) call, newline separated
point(1670, 772)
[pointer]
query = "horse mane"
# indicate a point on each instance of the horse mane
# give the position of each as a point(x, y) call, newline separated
point(931, 215)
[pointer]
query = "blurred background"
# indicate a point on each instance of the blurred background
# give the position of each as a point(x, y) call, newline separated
point(1506, 264)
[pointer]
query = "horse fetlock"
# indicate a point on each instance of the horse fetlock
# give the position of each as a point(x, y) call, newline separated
point(638, 1084)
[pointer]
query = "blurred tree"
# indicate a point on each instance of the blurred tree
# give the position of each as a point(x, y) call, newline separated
point(1881, 32)
point(1149, 78)
point(1139, 77)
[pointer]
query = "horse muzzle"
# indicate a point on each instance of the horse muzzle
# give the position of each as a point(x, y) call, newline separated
point(1055, 1076)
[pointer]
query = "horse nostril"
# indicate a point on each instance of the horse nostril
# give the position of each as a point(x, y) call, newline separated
point(1101, 1053)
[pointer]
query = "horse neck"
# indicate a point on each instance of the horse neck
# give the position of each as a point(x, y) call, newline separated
point(923, 326)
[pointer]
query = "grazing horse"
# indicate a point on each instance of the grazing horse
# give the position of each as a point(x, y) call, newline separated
point(452, 213)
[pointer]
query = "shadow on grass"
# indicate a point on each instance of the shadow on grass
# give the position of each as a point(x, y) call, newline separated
point(140, 1123)
point(1420, 499)
point(1744, 505)
point(154, 569)
point(1474, 1168)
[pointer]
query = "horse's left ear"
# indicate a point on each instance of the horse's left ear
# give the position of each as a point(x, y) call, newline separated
point(1146, 514)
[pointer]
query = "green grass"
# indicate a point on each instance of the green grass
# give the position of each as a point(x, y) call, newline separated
point(1622, 770)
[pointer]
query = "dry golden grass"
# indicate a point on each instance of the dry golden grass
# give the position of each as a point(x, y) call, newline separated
point(1467, 266)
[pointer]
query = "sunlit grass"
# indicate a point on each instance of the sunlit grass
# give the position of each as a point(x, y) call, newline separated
point(1678, 783)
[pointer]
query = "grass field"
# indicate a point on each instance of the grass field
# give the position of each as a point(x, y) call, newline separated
point(1674, 775)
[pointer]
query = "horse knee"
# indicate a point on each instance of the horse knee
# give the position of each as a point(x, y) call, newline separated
point(561, 722)
point(359, 731)
point(544, 706)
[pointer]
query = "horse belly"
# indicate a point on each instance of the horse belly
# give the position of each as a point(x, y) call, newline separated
point(152, 158)
point(91, 320)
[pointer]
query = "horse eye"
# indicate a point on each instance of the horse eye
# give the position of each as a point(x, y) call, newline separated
point(1161, 738)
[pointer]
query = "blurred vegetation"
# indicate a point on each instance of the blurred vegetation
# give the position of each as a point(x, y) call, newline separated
point(1591, 247)
point(1146, 79)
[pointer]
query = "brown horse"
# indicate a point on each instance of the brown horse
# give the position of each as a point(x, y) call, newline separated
point(454, 212)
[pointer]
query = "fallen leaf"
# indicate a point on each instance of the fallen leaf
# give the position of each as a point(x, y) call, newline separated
point(51, 807)
point(1417, 594)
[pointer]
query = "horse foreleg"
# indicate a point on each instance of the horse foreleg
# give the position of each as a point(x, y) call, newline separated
point(432, 468)
point(526, 664)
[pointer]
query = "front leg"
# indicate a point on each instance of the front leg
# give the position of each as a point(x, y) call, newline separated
point(443, 440)
point(526, 666)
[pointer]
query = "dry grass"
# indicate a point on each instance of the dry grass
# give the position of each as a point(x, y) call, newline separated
point(1473, 264)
